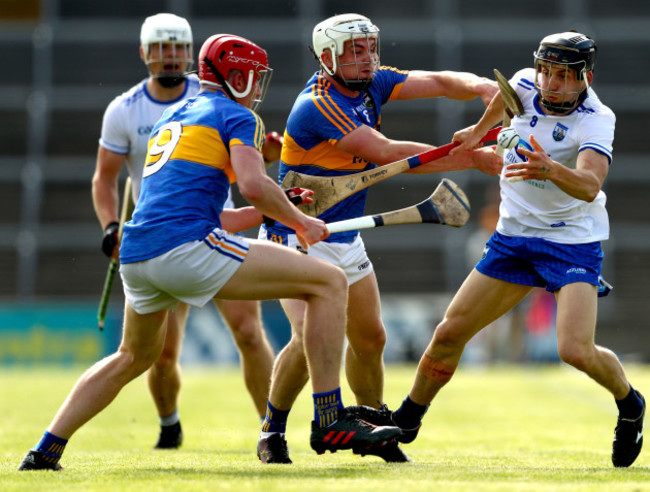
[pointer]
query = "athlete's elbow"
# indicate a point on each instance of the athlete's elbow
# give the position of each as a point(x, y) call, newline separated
point(251, 191)
point(590, 194)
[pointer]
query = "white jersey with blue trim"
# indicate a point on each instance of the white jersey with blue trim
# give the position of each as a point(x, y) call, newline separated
point(128, 121)
point(534, 208)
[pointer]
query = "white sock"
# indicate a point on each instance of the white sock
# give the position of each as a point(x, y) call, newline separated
point(266, 435)
point(172, 419)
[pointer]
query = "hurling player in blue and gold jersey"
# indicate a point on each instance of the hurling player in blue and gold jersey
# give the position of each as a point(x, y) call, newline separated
point(175, 249)
point(333, 130)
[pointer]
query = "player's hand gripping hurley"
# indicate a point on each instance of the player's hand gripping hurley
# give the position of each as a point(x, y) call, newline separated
point(328, 191)
point(512, 105)
point(448, 205)
point(125, 214)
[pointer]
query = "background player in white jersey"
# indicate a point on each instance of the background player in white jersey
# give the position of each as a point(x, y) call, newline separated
point(334, 130)
point(552, 220)
point(166, 50)
point(175, 249)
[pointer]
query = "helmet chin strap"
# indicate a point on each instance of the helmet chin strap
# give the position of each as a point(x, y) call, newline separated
point(224, 85)
point(353, 85)
point(566, 107)
point(356, 85)
point(170, 81)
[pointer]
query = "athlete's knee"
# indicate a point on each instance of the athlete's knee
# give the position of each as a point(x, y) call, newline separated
point(248, 333)
point(336, 285)
point(576, 355)
point(377, 341)
point(133, 363)
point(296, 346)
point(449, 337)
point(167, 361)
point(369, 344)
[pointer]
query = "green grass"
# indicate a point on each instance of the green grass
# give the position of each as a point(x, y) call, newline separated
point(496, 429)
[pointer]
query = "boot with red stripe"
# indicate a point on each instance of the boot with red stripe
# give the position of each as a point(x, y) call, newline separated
point(350, 432)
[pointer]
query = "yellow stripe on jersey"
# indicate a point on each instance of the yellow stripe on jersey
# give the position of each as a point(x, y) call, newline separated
point(324, 91)
point(203, 145)
point(396, 90)
point(199, 144)
point(334, 114)
point(325, 155)
point(259, 131)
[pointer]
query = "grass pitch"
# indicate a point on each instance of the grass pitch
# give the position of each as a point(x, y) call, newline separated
point(497, 429)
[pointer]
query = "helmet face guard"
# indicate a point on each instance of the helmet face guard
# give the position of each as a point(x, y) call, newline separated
point(223, 53)
point(166, 39)
point(333, 33)
point(571, 54)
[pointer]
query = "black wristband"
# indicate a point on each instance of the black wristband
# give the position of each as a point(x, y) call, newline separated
point(295, 199)
point(109, 241)
point(268, 221)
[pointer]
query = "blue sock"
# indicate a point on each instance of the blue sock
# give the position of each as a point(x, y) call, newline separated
point(631, 406)
point(275, 420)
point(52, 447)
point(326, 407)
point(409, 414)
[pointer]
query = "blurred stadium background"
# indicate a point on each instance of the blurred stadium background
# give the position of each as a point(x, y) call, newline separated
point(65, 60)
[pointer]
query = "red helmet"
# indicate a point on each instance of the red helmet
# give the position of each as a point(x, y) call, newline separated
point(222, 53)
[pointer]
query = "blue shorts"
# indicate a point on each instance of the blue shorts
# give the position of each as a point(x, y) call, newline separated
point(540, 263)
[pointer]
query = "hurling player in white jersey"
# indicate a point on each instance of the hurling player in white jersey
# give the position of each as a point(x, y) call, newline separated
point(552, 220)
point(166, 50)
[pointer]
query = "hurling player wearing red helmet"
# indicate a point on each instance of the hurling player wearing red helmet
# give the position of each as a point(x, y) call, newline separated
point(166, 50)
point(176, 249)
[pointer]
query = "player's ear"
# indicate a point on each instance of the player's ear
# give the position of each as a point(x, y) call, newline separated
point(326, 59)
point(237, 80)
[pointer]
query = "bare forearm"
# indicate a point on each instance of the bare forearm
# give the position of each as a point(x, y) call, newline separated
point(105, 200)
point(578, 183)
point(461, 86)
point(458, 162)
point(240, 219)
point(398, 150)
point(464, 86)
point(492, 116)
point(269, 199)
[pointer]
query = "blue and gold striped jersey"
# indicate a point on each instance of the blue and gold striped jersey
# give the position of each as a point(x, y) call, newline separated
point(187, 173)
point(320, 117)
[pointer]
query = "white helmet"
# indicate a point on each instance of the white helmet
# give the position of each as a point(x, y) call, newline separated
point(331, 34)
point(171, 29)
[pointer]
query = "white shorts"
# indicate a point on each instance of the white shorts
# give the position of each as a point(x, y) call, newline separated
point(193, 273)
point(350, 257)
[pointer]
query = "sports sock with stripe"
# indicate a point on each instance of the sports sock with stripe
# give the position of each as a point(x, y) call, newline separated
point(326, 407)
point(52, 447)
point(275, 420)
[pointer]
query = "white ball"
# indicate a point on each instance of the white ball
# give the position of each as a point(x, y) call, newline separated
point(508, 138)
